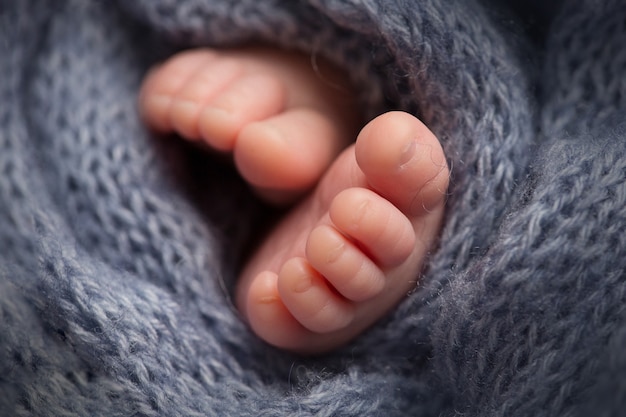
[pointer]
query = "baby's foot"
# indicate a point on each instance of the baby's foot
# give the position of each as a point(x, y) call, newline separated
point(284, 117)
point(354, 248)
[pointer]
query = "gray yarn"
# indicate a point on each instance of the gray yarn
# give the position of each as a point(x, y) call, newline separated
point(116, 247)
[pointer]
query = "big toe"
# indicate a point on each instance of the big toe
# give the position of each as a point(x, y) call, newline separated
point(404, 162)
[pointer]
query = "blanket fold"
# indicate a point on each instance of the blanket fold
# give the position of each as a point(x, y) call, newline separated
point(117, 248)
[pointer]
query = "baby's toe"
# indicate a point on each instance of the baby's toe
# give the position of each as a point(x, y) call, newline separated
point(404, 162)
point(197, 91)
point(378, 227)
point(343, 264)
point(247, 99)
point(269, 317)
point(165, 82)
point(285, 155)
point(310, 300)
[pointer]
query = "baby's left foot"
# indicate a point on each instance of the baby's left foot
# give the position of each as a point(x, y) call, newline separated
point(281, 118)
point(351, 251)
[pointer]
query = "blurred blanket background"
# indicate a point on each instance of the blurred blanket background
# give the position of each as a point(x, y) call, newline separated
point(118, 249)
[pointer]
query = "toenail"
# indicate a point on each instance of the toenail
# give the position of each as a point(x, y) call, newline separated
point(335, 252)
point(303, 284)
point(216, 112)
point(268, 299)
point(185, 106)
point(359, 213)
point(408, 153)
point(159, 101)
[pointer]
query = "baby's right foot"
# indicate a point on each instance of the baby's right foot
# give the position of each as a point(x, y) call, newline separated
point(355, 247)
point(283, 119)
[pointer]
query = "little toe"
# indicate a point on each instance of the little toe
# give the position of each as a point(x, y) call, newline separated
point(287, 153)
point(404, 162)
point(310, 300)
point(343, 265)
point(269, 317)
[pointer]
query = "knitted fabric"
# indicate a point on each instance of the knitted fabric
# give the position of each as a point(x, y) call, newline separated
point(118, 249)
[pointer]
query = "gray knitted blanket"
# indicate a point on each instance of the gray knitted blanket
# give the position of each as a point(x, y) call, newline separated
point(118, 249)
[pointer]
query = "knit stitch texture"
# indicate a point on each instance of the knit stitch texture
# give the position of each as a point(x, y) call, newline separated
point(118, 249)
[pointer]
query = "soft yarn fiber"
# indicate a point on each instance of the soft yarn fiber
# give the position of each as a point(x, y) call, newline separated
point(118, 248)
